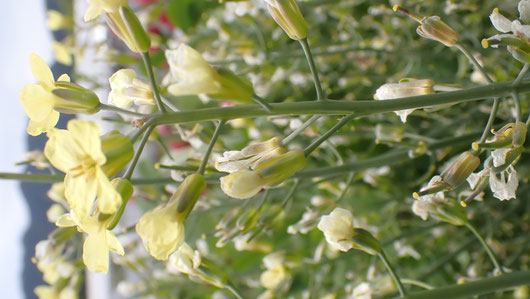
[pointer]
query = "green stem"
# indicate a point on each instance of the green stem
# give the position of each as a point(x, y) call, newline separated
point(137, 134)
point(518, 108)
point(521, 75)
point(210, 147)
point(388, 158)
point(496, 100)
point(358, 108)
point(299, 130)
point(102, 106)
point(393, 274)
point(475, 288)
point(190, 168)
point(290, 194)
point(491, 255)
point(154, 86)
point(262, 103)
point(345, 190)
point(307, 51)
point(32, 177)
point(130, 170)
point(381, 160)
point(308, 150)
point(233, 291)
point(417, 283)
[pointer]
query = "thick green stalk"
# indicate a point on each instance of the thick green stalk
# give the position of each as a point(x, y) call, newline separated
point(358, 108)
point(32, 177)
point(475, 288)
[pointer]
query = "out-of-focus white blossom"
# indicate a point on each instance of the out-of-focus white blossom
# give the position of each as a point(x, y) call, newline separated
point(338, 228)
point(404, 89)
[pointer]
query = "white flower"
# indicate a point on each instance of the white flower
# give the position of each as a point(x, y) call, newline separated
point(305, 224)
point(189, 73)
point(249, 156)
point(504, 184)
point(363, 291)
point(524, 10)
point(275, 273)
point(126, 89)
point(505, 25)
point(338, 229)
point(404, 89)
point(184, 260)
point(500, 22)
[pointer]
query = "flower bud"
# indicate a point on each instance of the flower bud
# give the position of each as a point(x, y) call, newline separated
point(405, 88)
point(118, 150)
point(365, 241)
point(286, 13)
point(436, 29)
point(72, 98)
point(188, 193)
point(460, 169)
point(118, 24)
point(190, 74)
point(233, 88)
point(135, 29)
point(278, 169)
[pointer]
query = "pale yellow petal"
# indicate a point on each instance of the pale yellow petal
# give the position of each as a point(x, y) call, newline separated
point(37, 102)
point(86, 135)
point(37, 127)
point(65, 221)
point(41, 71)
point(62, 151)
point(92, 12)
point(161, 233)
point(96, 252)
point(80, 193)
point(64, 78)
point(109, 199)
point(114, 244)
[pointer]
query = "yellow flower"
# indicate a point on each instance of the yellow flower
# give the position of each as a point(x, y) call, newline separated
point(126, 89)
point(98, 242)
point(190, 74)
point(162, 229)
point(77, 152)
point(52, 292)
point(98, 7)
point(62, 53)
point(56, 20)
point(39, 101)
point(275, 273)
